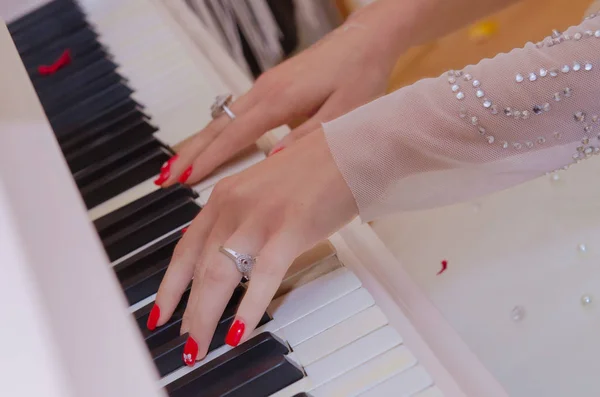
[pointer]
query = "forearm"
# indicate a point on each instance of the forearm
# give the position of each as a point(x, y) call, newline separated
point(396, 25)
point(491, 126)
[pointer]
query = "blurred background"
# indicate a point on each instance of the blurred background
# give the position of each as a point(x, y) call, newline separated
point(299, 23)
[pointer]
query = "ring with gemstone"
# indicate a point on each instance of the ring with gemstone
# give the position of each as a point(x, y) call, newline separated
point(221, 105)
point(243, 262)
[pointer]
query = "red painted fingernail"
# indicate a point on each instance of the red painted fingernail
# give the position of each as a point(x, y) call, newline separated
point(162, 178)
point(153, 317)
point(190, 352)
point(184, 230)
point(186, 174)
point(279, 149)
point(235, 333)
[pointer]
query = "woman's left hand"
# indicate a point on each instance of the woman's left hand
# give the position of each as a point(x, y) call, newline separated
point(273, 211)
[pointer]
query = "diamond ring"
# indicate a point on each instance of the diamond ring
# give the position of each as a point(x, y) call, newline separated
point(221, 105)
point(243, 262)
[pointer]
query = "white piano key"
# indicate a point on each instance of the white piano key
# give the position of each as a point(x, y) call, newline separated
point(343, 334)
point(311, 296)
point(205, 195)
point(404, 384)
point(286, 304)
point(142, 303)
point(353, 355)
point(367, 375)
point(431, 392)
point(327, 317)
point(124, 198)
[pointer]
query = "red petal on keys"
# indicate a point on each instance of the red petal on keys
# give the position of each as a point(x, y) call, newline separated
point(444, 267)
point(62, 61)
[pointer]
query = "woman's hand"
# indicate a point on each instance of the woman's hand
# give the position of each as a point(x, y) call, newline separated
point(274, 211)
point(348, 68)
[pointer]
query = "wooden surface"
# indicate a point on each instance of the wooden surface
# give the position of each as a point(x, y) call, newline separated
point(529, 20)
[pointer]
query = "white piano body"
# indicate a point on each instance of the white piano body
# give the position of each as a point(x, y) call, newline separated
point(67, 331)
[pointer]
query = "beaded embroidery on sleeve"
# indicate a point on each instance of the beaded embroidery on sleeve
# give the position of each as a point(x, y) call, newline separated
point(474, 131)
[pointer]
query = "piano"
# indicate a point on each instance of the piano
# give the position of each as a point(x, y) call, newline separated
point(85, 236)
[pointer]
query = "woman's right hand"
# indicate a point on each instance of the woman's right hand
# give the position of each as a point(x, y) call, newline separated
point(346, 69)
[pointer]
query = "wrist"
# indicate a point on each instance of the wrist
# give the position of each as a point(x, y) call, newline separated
point(386, 27)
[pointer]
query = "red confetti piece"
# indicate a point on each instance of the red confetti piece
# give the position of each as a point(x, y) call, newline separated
point(444, 267)
point(62, 61)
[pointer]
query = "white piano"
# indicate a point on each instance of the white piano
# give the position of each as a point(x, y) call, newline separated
point(357, 320)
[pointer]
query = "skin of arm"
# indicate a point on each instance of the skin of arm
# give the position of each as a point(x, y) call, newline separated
point(396, 25)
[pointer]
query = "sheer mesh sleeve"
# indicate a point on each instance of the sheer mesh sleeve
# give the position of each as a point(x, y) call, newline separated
point(475, 131)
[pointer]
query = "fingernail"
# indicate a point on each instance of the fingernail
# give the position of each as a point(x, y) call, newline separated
point(279, 149)
point(184, 230)
point(167, 165)
point(186, 174)
point(162, 178)
point(235, 333)
point(190, 352)
point(153, 317)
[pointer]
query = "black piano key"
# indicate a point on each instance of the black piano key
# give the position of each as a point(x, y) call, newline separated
point(50, 29)
point(39, 14)
point(263, 379)
point(80, 43)
point(125, 135)
point(143, 207)
point(123, 175)
point(64, 98)
point(141, 275)
point(168, 357)
point(147, 229)
point(58, 24)
point(170, 331)
point(211, 377)
point(71, 138)
point(119, 158)
point(79, 81)
point(80, 64)
point(79, 114)
point(113, 125)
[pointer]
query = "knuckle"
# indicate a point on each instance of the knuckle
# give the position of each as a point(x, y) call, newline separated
point(270, 270)
point(264, 80)
point(222, 189)
point(217, 274)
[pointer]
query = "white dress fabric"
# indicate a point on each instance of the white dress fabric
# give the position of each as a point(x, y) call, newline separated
point(522, 284)
point(484, 128)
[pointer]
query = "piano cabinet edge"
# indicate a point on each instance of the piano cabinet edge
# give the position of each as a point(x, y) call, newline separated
point(437, 346)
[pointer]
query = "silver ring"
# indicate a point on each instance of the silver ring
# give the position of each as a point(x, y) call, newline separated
point(243, 262)
point(221, 105)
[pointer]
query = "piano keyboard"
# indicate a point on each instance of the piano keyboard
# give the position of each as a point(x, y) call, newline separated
point(128, 94)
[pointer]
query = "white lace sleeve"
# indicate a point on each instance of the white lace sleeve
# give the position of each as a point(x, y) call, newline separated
point(467, 133)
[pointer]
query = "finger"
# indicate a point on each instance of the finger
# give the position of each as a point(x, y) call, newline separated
point(179, 167)
point(327, 112)
point(271, 265)
point(181, 267)
point(295, 134)
point(219, 232)
point(219, 279)
point(241, 133)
